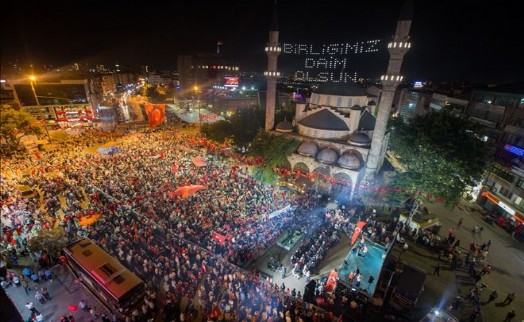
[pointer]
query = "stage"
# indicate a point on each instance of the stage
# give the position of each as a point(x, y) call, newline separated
point(369, 264)
point(289, 239)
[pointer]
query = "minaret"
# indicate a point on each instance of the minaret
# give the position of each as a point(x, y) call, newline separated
point(397, 48)
point(272, 51)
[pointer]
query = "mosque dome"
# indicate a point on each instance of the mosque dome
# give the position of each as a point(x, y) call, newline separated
point(372, 103)
point(284, 126)
point(359, 139)
point(328, 156)
point(308, 148)
point(356, 107)
point(340, 89)
point(324, 120)
point(349, 160)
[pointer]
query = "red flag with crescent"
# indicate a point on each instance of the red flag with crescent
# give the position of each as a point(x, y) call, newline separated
point(156, 114)
point(221, 239)
point(358, 230)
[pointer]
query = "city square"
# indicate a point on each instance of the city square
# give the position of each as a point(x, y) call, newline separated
point(211, 194)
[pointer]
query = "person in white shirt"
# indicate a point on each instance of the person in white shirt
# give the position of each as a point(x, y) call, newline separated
point(359, 279)
point(83, 305)
point(40, 297)
point(39, 317)
point(31, 306)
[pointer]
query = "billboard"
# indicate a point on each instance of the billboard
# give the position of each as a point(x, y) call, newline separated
point(231, 81)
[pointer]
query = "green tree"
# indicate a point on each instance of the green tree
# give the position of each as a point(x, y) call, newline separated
point(441, 153)
point(287, 113)
point(218, 131)
point(274, 149)
point(51, 240)
point(241, 128)
point(246, 124)
point(14, 125)
point(156, 94)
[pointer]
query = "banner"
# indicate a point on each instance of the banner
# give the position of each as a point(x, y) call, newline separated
point(278, 212)
point(88, 220)
point(331, 282)
point(109, 150)
point(156, 114)
point(221, 239)
point(358, 230)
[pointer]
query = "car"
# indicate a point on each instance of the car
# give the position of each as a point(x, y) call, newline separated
point(26, 192)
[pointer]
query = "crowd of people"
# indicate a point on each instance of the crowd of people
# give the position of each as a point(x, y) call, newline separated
point(311, 252)
point(166, 240)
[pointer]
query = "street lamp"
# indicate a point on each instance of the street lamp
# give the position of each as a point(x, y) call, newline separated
point(198, 105)
point(32, 80)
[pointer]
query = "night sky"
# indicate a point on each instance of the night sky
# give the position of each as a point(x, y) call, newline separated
point(474, 41)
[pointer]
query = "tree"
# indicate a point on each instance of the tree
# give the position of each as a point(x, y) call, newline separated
point(218, 131)
point(242, 127)
point(51, 240)
point(246, 124)
point(441, 153)
point(14, 125)
point(274, 149)
point(286, 113)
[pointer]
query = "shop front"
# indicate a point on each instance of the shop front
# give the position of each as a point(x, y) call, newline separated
point(501, 213)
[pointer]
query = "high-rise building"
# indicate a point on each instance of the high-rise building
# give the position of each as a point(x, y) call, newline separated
point(501, 110)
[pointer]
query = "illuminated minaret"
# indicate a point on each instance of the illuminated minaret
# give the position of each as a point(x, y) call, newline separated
point(397, 48)
point(272, 51)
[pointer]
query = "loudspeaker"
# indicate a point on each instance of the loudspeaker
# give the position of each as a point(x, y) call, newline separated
point(371, 279)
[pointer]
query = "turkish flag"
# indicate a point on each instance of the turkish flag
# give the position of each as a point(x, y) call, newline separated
point(299, 173)
point(156, 114)
point(175, 168)
point(221, 239)
point(358, 230)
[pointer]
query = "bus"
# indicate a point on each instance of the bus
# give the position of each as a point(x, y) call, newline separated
point(105, 277)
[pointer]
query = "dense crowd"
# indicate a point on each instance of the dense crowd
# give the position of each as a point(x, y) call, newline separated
point(168, 240)
point(164, 239)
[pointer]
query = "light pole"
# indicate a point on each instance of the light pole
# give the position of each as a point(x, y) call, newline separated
point(198, 105)
point(32, 80)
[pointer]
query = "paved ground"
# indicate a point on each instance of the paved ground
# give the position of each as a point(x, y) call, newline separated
point(506, 256)
point(333, 259)
point(63, 292)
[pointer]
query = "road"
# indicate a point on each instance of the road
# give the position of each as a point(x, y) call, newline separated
point(63, 291)
point(506, 256)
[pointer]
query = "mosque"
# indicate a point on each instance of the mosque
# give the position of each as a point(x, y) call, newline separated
point(343, 140)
